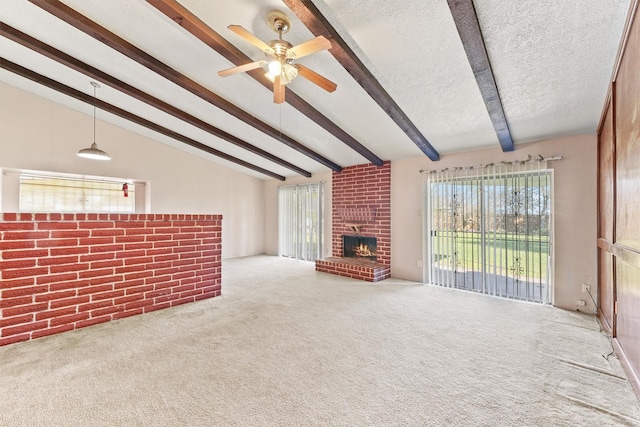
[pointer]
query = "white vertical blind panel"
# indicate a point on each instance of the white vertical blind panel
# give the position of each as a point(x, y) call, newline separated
point(300, 221)
point(490, 230)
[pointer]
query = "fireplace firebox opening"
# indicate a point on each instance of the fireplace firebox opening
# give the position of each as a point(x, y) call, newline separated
point(359, 247)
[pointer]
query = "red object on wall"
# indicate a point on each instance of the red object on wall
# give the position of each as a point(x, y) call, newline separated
point(125, 189)
point(60, 272)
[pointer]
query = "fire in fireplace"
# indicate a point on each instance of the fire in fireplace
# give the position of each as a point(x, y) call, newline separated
point(359, 247)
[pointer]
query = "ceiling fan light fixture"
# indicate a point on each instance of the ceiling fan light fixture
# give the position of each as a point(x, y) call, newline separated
point(275, 68)
point(287, 74)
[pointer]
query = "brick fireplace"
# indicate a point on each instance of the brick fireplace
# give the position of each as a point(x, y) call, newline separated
point(361, 207)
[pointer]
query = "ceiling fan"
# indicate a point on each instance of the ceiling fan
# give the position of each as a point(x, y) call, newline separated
point(281, 57)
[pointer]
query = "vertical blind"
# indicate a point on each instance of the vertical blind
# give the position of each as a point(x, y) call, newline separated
point(300, 221)
point(489, 230)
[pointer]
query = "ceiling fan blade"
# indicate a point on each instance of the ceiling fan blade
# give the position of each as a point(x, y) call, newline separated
point(278, 91)
point(239, 30)
point(316, 78)
point(241, 68)
point(309, 47)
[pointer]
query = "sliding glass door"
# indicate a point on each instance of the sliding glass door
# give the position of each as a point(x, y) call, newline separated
point(300, 221)
point(491, 232)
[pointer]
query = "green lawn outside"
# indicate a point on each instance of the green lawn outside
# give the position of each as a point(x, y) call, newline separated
point(502, 249)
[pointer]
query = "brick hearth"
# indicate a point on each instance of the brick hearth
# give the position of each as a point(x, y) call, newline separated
point(355, 268)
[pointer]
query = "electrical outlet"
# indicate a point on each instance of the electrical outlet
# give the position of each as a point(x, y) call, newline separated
point(582, 303)
point(419, 263)
point(586, 287)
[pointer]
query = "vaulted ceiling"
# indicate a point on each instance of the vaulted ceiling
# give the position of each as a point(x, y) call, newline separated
point(414, 77)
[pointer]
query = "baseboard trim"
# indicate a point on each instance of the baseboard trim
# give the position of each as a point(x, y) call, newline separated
point(628, 369)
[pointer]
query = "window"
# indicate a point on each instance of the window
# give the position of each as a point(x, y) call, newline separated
point(300, 221)
point(490, 232)
point(42, 193)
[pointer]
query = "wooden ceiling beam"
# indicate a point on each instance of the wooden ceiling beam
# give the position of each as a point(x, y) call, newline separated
point(89, 99)
point(466, 20)
point(73, 63)
point(84, 24)
point(313, 19)
point(183, 17)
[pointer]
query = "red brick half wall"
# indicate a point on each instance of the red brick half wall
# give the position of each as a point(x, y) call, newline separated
point(60, 272)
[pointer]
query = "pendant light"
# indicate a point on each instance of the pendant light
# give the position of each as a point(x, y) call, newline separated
point(94, 152)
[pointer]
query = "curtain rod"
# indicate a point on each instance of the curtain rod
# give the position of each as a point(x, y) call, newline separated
point(301, 184)
point(539, 158)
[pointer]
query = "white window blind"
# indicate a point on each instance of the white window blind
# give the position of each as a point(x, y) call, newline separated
point(489, 230)
point(62, 194)
point(300, 221)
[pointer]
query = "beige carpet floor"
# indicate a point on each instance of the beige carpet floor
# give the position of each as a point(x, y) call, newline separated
point(286, 346)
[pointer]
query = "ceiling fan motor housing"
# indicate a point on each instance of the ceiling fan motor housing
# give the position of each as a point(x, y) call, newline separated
point(280, 48)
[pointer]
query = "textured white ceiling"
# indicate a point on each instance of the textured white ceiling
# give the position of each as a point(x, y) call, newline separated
point(552, 62)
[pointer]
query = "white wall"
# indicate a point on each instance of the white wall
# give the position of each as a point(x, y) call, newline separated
point(574, 223)
point(575, 210)
point(41, 135)
point(271, 210)
point(10, 191)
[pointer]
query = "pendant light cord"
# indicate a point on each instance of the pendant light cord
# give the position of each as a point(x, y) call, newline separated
point(94, 114)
